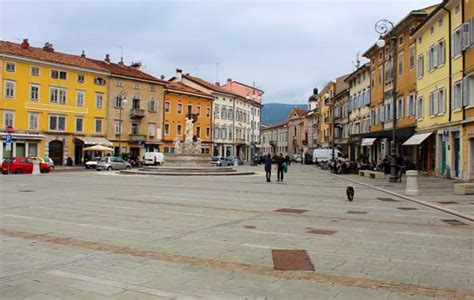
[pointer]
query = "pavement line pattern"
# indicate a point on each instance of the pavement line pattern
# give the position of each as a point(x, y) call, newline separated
point(277, 213)
point(421, 202)
point(406, 288)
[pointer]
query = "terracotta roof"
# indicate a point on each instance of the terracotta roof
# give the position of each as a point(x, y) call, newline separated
point(178, 86)
point(300, 112)
point(280, 124)
point(209, 85)
point(53, 57)
point(122, 70)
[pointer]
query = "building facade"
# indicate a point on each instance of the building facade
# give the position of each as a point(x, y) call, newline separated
point(467, 144)
point(54, 102)
point(183, 102)
point(297, 132)
point(312, 121)
point(275, 139)
point(341, 119)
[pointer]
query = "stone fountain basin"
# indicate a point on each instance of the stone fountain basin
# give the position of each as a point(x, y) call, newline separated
point(167, 171)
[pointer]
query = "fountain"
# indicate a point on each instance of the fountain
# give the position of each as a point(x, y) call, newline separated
point(187, 159)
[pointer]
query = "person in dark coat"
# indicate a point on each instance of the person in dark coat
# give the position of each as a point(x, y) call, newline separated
point(288, 160)
point(268, 167)
point(280, 160)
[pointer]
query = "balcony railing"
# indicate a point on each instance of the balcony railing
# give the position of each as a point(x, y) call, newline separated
point(327, 120)
point(240, 141)
point(328, 101)
point(273, 143)
point(137, 113)
point(137, 137)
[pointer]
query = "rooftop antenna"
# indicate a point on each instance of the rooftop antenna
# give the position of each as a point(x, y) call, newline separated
point(357, 61)
point(121, 53)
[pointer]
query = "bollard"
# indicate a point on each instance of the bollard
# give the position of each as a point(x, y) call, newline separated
point(36, 168)
point(412, 183)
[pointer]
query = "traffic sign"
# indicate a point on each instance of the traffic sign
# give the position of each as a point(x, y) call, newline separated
point(8, 138)
point(9, 129)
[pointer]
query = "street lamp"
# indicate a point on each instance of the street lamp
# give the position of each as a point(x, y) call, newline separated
point(122, 102)
point(384, 27)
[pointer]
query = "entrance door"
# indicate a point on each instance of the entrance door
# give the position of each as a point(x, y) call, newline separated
point(457, 155)
point(443, 158)
point(78, 146)
point(56, 152)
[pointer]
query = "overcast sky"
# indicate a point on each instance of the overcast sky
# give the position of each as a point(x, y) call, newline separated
point(286, 47)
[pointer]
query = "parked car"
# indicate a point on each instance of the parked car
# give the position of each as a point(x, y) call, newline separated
point(218, 161)
point(231, 160)
point(92, 163)
point(112, 163)
point(325, 155)
point(296, 158)
point(22, 165)
point(45, 160)
point(154, 158)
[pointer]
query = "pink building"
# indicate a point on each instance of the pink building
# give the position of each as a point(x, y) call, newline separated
point(244, 90)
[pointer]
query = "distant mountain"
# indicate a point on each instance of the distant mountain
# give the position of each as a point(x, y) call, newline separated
point(277, 112)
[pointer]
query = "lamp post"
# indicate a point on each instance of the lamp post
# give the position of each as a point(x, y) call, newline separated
point(384, 27)
point(122, 102)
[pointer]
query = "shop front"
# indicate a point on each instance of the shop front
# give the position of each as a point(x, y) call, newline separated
point(28, 145)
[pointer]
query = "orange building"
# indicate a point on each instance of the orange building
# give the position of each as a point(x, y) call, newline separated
point(468, 107)
point(181, 102)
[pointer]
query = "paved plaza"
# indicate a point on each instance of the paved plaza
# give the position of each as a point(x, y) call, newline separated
point(99, 235)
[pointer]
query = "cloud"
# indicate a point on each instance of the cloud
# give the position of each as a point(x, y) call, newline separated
point(286, 47)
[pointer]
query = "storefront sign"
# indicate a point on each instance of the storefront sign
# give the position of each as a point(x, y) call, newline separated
point(8, 138)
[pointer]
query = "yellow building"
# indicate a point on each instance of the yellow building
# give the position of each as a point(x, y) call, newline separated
point(439, 104)
point(52, 100)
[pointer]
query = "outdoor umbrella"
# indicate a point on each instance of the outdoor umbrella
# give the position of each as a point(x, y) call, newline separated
point(98, 148)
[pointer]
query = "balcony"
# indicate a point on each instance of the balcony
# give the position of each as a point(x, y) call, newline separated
point(137, 137)
point(137, 113)
point(328, 101)
point(240, 141)
point(328, 120)
point(273, 143)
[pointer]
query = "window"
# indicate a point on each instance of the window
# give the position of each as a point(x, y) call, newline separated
point(136, 85)
point(152, 88)
point(54, 74)
point(57, 123)
point(9, 89)
point(8, 118)
point(99, 81)
point(208, 112)
point(419, 109)
point(419, 67)
point(457, 9)
point(10, 67)
point(412, 56)
point(80, 78)
point(380, 74)
point(79, 124)
point(198, 110)
point(118, 127)
point(118, 103)
point(441, 53)
point(189, 109)
point(441, 101)
point(230, 114)
point(400, 63)
point(34, 92)
point(198, 131)
point(433, 103)
point(167, 106)
point(432, 30)
point(433, 57)
point(400, 40)
point(119, 82)
point(372, 79)
point(216, 111)
point(167, 129)
point(224, 112)
point(152, 106)
point(411, 105)
point(420, 40)
point(469, 86)
point(208, 132)
point(400, 107)
point(457, 94)
point(135, 129)
point(80, 98)
point(99, 99)
point(57, 95)
point(180, 108)
point(457, 42)
point(467, 34)
point(98, 125)
point(33, 121)
point(34, 71)
point(440, 22)
point(62, 75)
point(151, 129)
point(380, 55)
point(178, 129)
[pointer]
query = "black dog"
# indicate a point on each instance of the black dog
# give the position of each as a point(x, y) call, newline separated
point(350, 192)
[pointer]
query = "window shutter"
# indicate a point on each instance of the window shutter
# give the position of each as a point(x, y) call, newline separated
point(401, 108)
point(464, 91)
point(452, 45)
point(435, 56)
point(466, 37)
point(442, 101)
point(471, 32)
point(452, 96)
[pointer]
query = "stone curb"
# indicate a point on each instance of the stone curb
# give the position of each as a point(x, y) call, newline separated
point(428, 204)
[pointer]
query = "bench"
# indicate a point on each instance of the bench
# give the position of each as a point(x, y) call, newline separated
point(363, 172)
point(464, 188)
point(377, 175)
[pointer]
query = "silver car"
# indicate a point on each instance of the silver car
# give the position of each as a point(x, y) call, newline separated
point(112, 163)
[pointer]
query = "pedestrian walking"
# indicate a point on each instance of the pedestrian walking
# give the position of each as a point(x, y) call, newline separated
point(280, 167)
point(287, 159)
point(268, 167)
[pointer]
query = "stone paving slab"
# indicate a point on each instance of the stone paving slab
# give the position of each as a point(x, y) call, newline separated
point(108, 236)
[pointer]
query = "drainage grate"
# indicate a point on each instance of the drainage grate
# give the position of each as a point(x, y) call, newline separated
point(407, 208)
point(357, 212)
point(322, 231)
point(291, 210)
point(292, 260)
point(250, 227)
point(454, 222)
point(387, 199)
point(448, 202)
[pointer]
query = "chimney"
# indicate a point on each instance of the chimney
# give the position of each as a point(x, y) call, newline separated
point(48, 47)
point(121, 61)
point(83, 55)
point(136, 66)
point(218, 83)
point(25, 44)
point(179, 74)
point(162, 77)
point(229, 80)
point(107, 58)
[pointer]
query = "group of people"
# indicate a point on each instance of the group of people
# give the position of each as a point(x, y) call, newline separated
point(281, 163)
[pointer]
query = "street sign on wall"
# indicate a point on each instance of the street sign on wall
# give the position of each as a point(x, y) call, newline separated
point(8, 139)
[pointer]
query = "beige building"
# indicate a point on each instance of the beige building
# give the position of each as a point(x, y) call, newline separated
point(135, 109)
point(312, 121)
point(275, 138)
point(297, 131)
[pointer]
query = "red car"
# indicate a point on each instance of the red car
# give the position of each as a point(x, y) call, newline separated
point(20, 165)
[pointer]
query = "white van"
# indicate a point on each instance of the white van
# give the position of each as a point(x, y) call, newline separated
point(154, 158)
point(321, 154)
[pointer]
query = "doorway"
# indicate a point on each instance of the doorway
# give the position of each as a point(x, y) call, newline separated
point(457, 154)
point(78, 147)
point(56, 152)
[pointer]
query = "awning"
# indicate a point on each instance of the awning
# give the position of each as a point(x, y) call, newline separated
point(368, 142)
point(89, 140)
point(417, 139)
point(23, 136)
